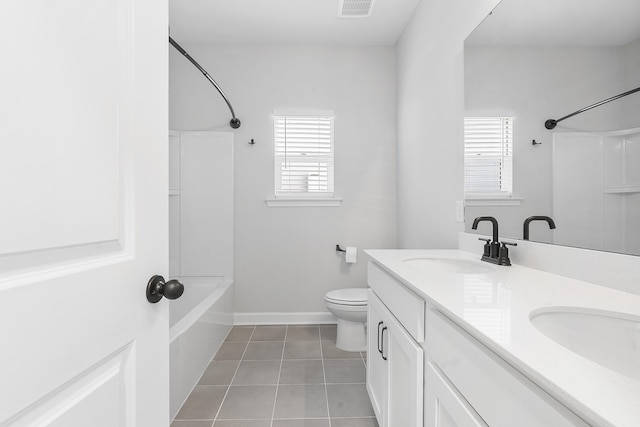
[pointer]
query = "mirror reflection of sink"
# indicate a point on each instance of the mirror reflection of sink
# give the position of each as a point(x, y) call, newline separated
point(451, 266)
point(607, 338)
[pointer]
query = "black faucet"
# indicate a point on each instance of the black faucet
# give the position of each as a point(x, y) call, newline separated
point(493, 252)
point(525, 226)
point(493, 246)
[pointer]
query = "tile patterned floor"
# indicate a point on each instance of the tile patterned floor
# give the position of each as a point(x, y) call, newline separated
point(280, 376)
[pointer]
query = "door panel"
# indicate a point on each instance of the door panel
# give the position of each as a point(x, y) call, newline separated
point(64, 123)
point(101, 394)
point(67, 102)
point(84, 219)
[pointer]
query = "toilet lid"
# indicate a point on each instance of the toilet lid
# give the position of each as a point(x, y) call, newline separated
point(349, 296)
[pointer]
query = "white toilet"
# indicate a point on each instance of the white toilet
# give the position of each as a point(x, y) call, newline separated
point(350, 308)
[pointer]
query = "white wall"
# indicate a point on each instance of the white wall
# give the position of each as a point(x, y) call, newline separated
point(430, 125)
point(285, 258)
point(535, 84)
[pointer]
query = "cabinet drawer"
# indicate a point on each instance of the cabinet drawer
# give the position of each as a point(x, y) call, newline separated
point(406, 306)
point(498, 392)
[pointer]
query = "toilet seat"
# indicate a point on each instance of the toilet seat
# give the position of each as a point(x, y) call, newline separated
point(348, 297)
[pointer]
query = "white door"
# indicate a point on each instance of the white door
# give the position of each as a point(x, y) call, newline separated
point(83, 215)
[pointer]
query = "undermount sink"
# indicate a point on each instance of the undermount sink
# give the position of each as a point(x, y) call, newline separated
point(450, 266)
point(607, 338)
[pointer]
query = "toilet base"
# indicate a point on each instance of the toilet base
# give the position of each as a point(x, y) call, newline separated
point(351, 336)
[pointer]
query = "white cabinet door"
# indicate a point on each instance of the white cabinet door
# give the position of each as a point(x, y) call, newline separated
point(377, 366)
point(394, 369)
point(83, 224)
point(406, 361)
point(443, 406)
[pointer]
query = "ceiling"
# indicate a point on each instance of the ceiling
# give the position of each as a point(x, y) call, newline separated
point(561, 22)
point(285, 21)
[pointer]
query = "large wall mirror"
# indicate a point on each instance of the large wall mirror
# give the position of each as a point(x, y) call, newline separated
point(544, 59)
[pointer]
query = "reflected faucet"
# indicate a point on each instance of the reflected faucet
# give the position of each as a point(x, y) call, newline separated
point(525, 226)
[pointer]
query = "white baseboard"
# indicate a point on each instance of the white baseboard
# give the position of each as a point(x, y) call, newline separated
point(283, 318)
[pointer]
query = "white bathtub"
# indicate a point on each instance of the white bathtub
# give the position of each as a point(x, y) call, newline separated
point(199, 322)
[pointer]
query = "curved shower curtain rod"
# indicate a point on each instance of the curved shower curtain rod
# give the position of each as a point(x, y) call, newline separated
point(551, 123)
point(234, 122)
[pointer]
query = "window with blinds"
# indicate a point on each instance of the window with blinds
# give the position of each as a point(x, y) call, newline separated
point(303, 155)
point(488, 155)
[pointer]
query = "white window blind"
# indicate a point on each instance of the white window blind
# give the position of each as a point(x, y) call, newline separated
point(304, 150)
point(488, 155)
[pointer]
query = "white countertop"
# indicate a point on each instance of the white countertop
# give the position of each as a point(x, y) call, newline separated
point(495, 309)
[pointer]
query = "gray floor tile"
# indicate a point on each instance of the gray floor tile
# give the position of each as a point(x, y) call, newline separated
point(354, 422)
point(240, 334)
point(192, 423)
point(301, 401)
point(321, 422)
point(349, 400)
point(302, 372)
point(330, 351)
point(328, 332)
point(296, 365)
point(230, 351)
point(243, 423)
point(248, 402)
point(302, 350)
point(264, 351)
point(202, 403)
point(303, 333)
point(219, 372)
point(341, 371)
point(269, 333)
point(257, 372)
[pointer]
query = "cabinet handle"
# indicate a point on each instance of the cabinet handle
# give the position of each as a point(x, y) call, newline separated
point(382, 342)
point(379, 324)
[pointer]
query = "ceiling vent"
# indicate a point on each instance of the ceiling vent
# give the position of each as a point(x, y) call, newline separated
point(355, 8)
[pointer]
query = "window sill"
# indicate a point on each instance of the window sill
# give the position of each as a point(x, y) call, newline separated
point(488, 200)
point(303, 202)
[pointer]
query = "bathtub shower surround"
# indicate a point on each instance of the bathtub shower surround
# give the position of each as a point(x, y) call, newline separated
point(201, 204)
point(200, 254)
point(597, 200)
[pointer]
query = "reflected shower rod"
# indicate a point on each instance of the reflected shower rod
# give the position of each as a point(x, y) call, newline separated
point(234, 122)
point(551, 123)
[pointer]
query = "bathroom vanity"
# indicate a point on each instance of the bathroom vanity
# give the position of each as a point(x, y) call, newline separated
point(453, 341)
